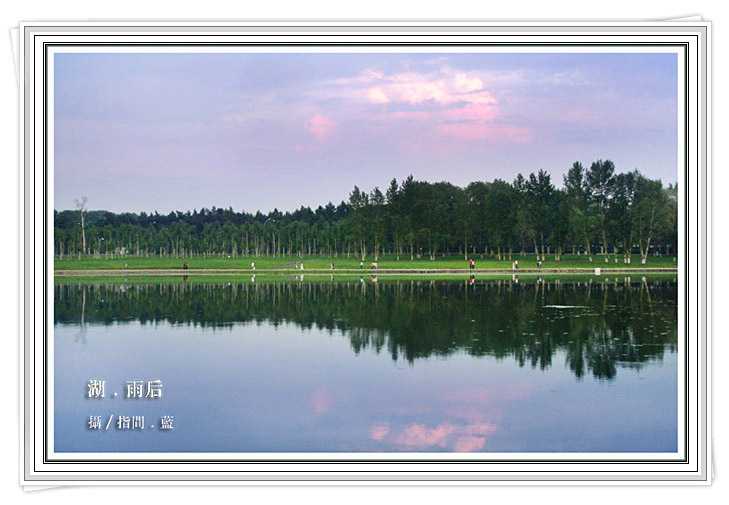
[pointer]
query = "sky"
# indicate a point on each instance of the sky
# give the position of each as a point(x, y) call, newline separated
point(163, 132)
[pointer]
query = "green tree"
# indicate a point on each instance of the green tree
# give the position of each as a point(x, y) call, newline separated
point(501, 215)
point(358, 220)
point(600, 180)
point(540, 202)
point(651, 212)
point(578, 206)
point(620, 213)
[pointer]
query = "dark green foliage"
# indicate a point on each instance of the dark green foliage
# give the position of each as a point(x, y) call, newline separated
point(610, 325)
point(624, 212)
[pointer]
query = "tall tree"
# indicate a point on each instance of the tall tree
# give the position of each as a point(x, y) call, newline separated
point(395, 222)
point(560, 228)
point(477, 197)
point(578, 203)
point(500, 212)
point(620, 213)
point(524, 219)
point(358, 219)
point(540, 200)
point(600, 180)
point(651, 212)
point(81, 206)
point(376, 211)
point(408, 200)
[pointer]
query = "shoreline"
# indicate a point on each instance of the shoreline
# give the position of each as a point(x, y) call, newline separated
point(152, 272)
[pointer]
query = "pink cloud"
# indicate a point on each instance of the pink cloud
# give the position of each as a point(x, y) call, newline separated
point(378, 432)
point(464, 438)
point(418, 436)
point(482, 429)
point(477, 112)
point(320, 126)
point(464, 84)
point(376, 95)
point(419, 90)
point(474, 416)
point(414, 88)
point(467, 111)
point(449, 103)
point(321, 401)
point(474, 121)
point(468, 444)
point(371, 74)
point(480, 131)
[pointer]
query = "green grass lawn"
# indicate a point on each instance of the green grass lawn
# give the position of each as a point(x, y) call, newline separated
point(385, 262)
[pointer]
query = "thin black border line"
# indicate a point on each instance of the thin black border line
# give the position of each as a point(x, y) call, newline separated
point(363, 44)
point(302, 34)
point(244, 26)
point(45, 172)
point(418, 44)
point(46, 460)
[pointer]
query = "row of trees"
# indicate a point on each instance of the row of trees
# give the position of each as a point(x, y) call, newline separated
point(595, 212)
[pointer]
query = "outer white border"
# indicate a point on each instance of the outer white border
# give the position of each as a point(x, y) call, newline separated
point(38, 471)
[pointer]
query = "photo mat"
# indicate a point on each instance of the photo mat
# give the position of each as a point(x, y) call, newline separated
point(404, 434)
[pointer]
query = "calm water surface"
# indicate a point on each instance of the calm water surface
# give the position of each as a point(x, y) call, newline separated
point(354, 365)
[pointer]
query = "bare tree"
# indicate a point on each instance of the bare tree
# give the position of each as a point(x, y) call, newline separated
point(81, 206)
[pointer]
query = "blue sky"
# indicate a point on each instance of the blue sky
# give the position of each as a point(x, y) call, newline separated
point(162, 132)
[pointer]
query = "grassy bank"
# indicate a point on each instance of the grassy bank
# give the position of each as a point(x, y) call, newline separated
point(344, 278)
point(343, 263)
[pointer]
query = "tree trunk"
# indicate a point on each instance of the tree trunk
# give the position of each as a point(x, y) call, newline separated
point(541, 234)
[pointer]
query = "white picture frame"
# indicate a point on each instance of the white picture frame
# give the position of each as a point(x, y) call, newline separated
point(41, 466)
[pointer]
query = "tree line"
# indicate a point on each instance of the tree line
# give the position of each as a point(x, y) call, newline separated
point(597, 211)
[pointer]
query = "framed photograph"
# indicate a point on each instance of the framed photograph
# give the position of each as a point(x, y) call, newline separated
point(386, 252)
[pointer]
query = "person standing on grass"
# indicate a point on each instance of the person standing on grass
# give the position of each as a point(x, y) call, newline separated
point(332, 265)
point(253, 266)
point(361, 265)
point(471, 264)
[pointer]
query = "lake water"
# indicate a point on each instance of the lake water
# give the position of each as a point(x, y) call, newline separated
point(351, 365)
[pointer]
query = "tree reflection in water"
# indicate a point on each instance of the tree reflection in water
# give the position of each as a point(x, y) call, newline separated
point(600, 324)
